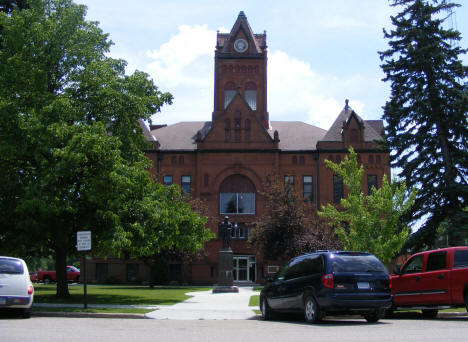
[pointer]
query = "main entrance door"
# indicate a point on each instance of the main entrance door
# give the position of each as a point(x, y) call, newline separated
point(244, 268)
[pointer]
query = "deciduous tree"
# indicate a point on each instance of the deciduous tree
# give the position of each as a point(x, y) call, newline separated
point(71, 144)
point(369, 223)
point(290, 225)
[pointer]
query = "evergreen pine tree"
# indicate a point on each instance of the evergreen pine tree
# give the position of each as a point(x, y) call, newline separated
point(427, 114)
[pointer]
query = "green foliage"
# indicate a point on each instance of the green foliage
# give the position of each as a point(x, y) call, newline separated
point(427, 114)
point(290, 225)
point(369, 223)
point(71, 144)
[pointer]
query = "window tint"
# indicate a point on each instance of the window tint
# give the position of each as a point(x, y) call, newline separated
point(281, 273)
point(414, 265)
point(11, 266)
point(307, 188)
point(305, 267)
point(337, 188)
point(237, 203)
point(167, 180)
point(186, 184)
point(436, 261)
point(461, 258)
point(371, 183)
point(355, 263)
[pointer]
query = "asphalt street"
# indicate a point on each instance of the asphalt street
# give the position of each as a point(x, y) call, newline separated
point(293, 329)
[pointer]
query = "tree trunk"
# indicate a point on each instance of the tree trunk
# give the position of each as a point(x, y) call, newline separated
point(61, 272)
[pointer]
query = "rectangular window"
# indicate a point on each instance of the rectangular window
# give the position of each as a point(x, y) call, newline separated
point(371, 183)
point(237, 203)
point(307, 188)
point(101, 272)
point(337, 188)
point(289, 181)
point(272, 269)
point(132, 272)
point(186, 184)
point(167, 180)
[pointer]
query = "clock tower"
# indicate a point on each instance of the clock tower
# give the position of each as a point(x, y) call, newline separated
point(241, 69)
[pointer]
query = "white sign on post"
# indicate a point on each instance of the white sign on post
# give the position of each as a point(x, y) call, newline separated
point(83, 240)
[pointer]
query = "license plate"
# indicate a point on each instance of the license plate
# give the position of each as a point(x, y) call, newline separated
point(363, 285)
point(2, 300)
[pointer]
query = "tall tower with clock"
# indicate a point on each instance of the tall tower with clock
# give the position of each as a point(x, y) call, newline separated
point(241, 69)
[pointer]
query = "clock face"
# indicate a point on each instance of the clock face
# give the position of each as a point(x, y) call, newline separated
point(241, 45)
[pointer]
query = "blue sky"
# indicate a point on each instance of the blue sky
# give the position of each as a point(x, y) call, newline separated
point(319, 52)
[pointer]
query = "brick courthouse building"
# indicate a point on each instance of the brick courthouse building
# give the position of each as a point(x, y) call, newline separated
point(226, 161)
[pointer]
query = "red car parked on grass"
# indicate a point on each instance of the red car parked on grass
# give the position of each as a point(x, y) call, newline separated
point(432, 280)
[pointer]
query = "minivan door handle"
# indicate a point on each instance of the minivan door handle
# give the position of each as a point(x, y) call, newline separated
point(440, 276)
point(418, 278)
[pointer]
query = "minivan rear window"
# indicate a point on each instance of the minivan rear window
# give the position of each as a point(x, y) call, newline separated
point(355, 263)
point(461, 258)
point(11, 266)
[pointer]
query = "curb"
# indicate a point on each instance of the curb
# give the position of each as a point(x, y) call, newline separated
point(452, 314)
point(86, 315)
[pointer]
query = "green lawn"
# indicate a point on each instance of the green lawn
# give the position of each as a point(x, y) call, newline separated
point(92, 310)
point(254, 300)
point(114, 294)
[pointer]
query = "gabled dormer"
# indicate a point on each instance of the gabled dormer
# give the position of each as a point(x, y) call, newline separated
point(352, 132)
point(349, 129)
point(240, 68)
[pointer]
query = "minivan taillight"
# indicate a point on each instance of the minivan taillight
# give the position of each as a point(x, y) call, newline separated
point(30, 290)
point(389, 281)
point(327, 280)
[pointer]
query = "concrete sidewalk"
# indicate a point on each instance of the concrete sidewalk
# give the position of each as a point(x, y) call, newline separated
point(208, 305)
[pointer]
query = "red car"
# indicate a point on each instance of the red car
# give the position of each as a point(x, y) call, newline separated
point(432, 280)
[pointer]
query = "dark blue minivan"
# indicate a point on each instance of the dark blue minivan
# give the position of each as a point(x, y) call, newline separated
point(329, 283)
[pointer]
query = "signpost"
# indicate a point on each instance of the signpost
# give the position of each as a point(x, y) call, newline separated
point(83, 244)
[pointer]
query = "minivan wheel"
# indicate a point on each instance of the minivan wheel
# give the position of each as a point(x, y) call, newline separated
point(430, 313)
point(265, 309)
point(311, 310)
point(466, 301)
point(372, 317)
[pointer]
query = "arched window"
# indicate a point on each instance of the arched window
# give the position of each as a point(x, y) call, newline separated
point(247, 129)
point(227, 130)
point(251, 95)
point(229, 93)
point(237, 195)
point(237, 126)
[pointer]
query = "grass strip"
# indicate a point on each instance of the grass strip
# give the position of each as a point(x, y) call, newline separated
point(254, 300)
point(92, 310)
point(117, 294)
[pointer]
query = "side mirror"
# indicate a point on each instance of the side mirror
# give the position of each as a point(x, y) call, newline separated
point(396, 270)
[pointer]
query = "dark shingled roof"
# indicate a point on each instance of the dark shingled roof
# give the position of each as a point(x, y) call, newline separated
point(297, 135)
point(293, 135)
point(370, 126)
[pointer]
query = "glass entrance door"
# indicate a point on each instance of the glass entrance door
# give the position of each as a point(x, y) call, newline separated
point(244, 268)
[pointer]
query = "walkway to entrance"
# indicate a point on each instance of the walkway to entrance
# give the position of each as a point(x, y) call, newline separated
point(208, 305)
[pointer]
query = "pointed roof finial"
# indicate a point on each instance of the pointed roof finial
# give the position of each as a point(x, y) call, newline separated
point(242, 14)
point(346, 107)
